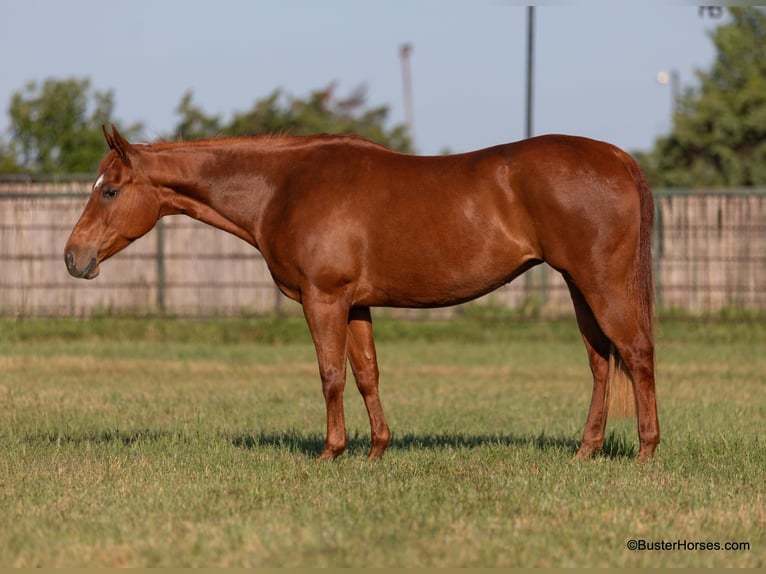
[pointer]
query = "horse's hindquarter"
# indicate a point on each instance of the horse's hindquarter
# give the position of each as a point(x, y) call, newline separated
point(581, 198)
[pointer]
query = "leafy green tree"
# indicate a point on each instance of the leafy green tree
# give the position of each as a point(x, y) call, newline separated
point(719, 132)
point(194, 124)
point(321, 112)
point(56, 127)
point(7, 160)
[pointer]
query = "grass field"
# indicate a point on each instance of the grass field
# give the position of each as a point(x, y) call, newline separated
point(193, 443)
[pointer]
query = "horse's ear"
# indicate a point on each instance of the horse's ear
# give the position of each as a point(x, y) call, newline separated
point(118, 144)
point(108, 137)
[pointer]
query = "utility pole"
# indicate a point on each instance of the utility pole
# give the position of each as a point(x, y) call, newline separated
point(540, 274)
point(674, 79)
point(530, 67)
point(404, 53)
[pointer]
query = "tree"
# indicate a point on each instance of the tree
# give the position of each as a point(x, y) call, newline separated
point(56, 127)
point(194, 123)
point(719, 129)
point(321, 112)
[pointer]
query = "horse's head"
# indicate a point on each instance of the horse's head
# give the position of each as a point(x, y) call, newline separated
point(123, 206)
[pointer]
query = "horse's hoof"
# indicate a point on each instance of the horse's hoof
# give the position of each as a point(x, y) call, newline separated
point(586, 451)
point(645, 454)
point(331, 453)
point(376, 453)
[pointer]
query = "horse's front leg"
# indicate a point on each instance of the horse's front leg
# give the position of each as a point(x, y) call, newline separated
point(327, 320)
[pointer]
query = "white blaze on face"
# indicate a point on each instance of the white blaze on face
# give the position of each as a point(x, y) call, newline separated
point(98, 183)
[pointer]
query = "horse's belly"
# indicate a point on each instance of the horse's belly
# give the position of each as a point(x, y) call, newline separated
point(435, 278)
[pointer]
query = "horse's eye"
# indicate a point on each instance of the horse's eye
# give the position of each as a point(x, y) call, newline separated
point(109, 192)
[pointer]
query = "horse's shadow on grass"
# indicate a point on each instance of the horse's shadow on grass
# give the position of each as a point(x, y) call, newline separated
point(615, 446)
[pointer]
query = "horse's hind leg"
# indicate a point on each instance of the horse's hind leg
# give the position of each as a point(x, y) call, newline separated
point(619, 318)
point(597, 345)
point(636, 348)
point(364, 364)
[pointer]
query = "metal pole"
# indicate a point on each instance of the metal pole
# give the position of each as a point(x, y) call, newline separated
point(674, 79)
point(675, 90)
point(404, 52)
point(541, 274)
point(530, 66)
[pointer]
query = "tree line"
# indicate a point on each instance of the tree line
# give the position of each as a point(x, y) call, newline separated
point(55, 125)
point(718, 137)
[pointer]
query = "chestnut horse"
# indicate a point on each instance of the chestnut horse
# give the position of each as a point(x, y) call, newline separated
point(345, 224)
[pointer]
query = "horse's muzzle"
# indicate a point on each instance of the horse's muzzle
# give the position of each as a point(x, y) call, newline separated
point(88, 272)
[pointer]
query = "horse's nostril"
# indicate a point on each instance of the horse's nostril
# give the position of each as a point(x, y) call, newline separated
point(87, 272)
point(69, 259)
point(91, 270)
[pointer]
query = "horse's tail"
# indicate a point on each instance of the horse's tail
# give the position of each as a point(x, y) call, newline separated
point(620, 395)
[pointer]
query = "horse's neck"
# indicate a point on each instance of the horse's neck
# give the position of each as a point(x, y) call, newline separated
point(224, 195)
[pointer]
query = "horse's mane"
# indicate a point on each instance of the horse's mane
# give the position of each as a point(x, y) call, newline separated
point(272, 140)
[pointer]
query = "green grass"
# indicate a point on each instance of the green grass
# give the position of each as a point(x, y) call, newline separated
point(193, 443)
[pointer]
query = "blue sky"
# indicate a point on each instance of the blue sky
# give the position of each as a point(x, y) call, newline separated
point(595, 69)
